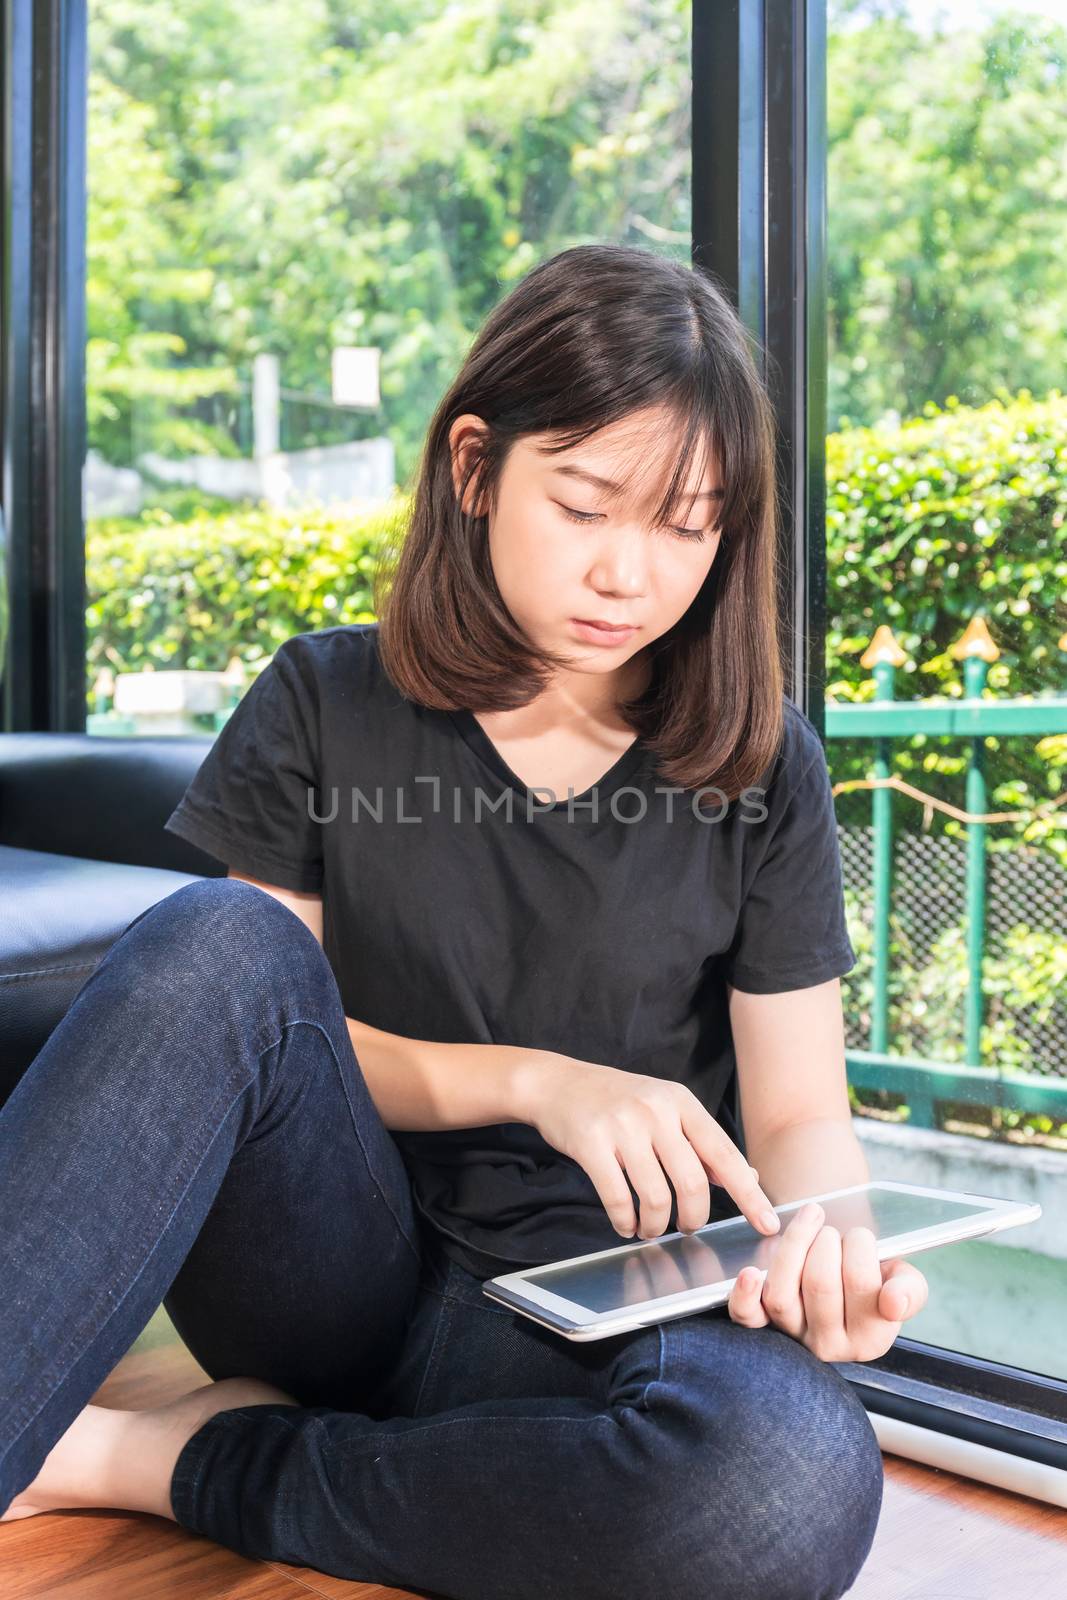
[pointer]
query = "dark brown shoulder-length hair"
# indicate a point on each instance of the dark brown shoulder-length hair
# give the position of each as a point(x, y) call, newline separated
point(589, 336)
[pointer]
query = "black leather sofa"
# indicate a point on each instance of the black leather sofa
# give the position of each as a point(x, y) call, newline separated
point(82, 852)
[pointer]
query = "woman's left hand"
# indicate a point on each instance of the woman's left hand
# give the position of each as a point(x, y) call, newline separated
point(832, 1294)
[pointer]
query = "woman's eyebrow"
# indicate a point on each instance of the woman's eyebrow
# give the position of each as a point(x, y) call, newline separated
point(614, 488)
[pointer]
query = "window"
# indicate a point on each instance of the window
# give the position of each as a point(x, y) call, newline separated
point(946, 492)
point(222, 193)
point(296, 224)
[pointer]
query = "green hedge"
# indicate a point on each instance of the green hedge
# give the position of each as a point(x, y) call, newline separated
point(192, 591)
point(957, 511)
point(926, 522)
point(951, 512)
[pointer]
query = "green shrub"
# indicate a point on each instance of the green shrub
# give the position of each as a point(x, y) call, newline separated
point(958, 511)
point(930, 521)
point(191, 594)
point(926, 522)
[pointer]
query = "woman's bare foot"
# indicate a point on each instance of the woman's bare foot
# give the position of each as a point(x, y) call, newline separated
point(126, 1459)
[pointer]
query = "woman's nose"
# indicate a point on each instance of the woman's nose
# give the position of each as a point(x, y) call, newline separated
point(621, 567)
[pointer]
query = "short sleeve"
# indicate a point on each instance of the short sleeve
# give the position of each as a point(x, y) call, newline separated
point(792, 931)
point(254, 799)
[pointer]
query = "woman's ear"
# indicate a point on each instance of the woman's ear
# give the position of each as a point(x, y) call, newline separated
point(464, 438)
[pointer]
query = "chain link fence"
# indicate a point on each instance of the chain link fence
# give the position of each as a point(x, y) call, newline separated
point(1025, 965)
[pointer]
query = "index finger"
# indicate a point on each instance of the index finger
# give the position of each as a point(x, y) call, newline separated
point(730, 1169)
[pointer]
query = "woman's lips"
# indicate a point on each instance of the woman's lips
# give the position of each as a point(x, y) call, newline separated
point(601, 635)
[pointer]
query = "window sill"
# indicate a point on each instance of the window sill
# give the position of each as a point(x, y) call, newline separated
point(965, 1429)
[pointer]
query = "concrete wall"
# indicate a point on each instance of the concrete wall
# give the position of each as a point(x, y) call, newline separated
point(362, 473)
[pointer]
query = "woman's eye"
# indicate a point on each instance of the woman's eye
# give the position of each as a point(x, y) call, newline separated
point(577, 516)
point(589, 516)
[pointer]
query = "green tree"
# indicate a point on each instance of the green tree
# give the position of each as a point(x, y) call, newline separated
point(947, 199)
point(136, 376)
point(381, 175)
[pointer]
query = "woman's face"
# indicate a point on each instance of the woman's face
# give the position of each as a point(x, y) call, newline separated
point(566, 549)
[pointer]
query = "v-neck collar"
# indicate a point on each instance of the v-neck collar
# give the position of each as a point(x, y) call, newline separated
point(479, 741)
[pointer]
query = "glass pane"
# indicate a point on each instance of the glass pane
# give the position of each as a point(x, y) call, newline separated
point(947, 509)
point(298, 219)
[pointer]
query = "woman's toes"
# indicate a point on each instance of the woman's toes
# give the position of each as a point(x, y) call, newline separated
point(22, 1506)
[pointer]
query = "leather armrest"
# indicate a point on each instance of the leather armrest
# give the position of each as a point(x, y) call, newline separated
point(100, 798)
point(59, 915)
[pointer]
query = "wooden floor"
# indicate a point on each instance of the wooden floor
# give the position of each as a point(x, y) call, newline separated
point(941, 1537)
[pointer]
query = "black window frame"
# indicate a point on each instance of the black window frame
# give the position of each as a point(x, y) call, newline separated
point(42, 361)
point(759, 226)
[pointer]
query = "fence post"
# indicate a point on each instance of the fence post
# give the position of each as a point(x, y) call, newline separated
point(976, 649)
point(266, 406)
point(103, 691)
point(883, 655)
point(233, 681)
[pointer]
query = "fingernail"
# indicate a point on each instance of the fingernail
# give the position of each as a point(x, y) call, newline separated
point(905, 1306)
point(769, 1219)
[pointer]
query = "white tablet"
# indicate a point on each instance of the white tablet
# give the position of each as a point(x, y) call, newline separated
point(653, 1280)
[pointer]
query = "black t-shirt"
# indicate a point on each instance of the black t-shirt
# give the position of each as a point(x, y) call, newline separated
point(608, 934)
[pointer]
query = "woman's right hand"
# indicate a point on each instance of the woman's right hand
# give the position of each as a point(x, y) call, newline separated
point(618, 1125)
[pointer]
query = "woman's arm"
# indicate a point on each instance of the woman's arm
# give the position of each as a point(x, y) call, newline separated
point(417, 1084)
point(811, 1157)
point(825, 1286)
point(795, 1112)
point(423, 1086)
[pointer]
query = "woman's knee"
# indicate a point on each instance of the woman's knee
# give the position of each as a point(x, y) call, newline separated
point(223, 934)
point(224, 920)
point(768, 1478)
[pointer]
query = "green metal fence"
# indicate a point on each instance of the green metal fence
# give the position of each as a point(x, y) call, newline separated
point(922, 1081)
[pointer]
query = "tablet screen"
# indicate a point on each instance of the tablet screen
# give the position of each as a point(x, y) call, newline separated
point(649, 1270)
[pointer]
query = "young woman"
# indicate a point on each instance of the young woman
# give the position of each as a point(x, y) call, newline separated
point(518, 876)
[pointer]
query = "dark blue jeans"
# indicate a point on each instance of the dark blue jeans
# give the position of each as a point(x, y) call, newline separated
point(197, 1132)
